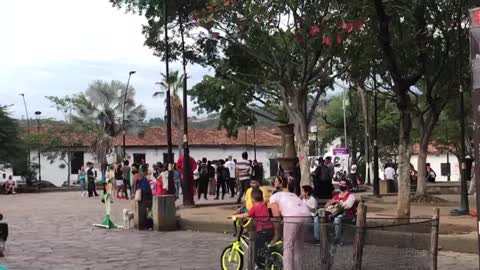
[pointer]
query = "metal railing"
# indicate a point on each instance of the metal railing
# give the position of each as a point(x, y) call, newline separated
point(361, 243)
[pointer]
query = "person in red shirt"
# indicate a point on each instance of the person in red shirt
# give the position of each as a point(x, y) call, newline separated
point(347, 201)
point(193, 167)
point(263, 225)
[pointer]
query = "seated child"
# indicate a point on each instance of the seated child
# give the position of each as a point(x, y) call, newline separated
point(263, 225)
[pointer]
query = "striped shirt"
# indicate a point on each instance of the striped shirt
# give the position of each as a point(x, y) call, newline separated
point(243, 169)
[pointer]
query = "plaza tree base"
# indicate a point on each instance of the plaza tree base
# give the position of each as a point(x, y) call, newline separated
point(107, 223)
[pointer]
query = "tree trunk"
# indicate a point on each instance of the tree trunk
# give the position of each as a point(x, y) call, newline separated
point(422, 168)
point(403, 202)
point(301, 139)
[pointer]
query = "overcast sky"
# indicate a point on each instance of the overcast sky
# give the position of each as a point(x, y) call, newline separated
point(57, 47)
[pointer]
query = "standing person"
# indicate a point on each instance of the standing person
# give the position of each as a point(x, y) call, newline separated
point(203, 180)
point(178, 181)
point(312, 205)
point(223, 175)
point(323, 186)
point(118, 183)
point(244, 171)
point(330, 166)
point(196, 176)
point(295, 214)
point(430, 174)
point(91, 181)
point(230, 165)
point(126, 179)
point(211, 178)
point(82, 179)
point(257, 171)
point(389, 176)
point(354, 178)
point(10, 185)
point(193, 174)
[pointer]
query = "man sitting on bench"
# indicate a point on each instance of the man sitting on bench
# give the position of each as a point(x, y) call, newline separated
point(345, 200)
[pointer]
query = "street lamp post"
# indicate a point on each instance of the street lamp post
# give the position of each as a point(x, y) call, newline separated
point(123, 116)
point(38, 113)
point(254, 143)
point(171, 187)
point(28, 126)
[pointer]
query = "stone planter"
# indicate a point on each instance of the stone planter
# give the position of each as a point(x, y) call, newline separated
point(289, 154)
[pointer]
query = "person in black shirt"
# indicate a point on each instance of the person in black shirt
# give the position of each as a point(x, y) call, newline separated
point(91, 181)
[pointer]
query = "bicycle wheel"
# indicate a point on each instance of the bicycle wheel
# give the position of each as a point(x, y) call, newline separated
point(231, 259)
point(275, 261)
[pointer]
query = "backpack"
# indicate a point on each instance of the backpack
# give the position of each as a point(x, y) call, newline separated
point(144, 186)
point(204, 171)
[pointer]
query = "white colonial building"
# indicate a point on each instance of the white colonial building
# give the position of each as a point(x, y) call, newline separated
point(151, 146)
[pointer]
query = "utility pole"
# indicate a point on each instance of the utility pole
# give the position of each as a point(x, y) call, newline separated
point(38, 113)
point(171, 187)
point(187, 176)
point(463, 175)
point(123, 117)
point(376, 178)
point(254, 144)
point(448, 152)
point(28, 128)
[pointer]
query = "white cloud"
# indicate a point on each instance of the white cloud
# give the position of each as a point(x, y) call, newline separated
point(56, 47)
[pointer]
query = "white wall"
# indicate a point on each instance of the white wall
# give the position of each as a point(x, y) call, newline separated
point(53, 173)
point(435, 160)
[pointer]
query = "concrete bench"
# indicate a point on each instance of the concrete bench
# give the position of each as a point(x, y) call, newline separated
point(164, 213)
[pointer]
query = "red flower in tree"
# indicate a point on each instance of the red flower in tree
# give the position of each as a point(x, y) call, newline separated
point(339, 39)
point(314, 30)
point(327, 41)
point(343, 25)
point(227, 3)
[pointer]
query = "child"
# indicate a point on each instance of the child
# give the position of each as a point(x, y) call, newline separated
point(312, 205)
point(263, 225)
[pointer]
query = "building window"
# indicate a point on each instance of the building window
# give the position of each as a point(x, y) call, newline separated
point(77, 162)
point(138, 158)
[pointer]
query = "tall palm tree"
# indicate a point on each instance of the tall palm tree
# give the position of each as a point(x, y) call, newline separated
point(100, 109)
point(175, 81)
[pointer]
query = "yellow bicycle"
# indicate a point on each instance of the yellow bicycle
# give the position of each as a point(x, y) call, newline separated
point(232, 255)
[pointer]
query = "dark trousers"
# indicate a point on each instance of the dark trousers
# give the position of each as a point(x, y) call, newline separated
point(127, 186)
point(244, 185)
point(91, 189)
point(221, 184)
point(262, 238)
point(202, 187)
point(391, 188)
point(231, 186)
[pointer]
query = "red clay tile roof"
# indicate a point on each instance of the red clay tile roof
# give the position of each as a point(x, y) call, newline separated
point(155, 137)
point(204, 137)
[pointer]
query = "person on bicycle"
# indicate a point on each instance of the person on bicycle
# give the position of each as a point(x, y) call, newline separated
point(248, 201)
point(263, 226)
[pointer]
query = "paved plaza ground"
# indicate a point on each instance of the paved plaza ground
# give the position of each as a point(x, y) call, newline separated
point(54, 231)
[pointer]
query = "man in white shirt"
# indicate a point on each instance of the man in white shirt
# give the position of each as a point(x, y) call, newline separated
point(230, 165)
point(389, 176)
